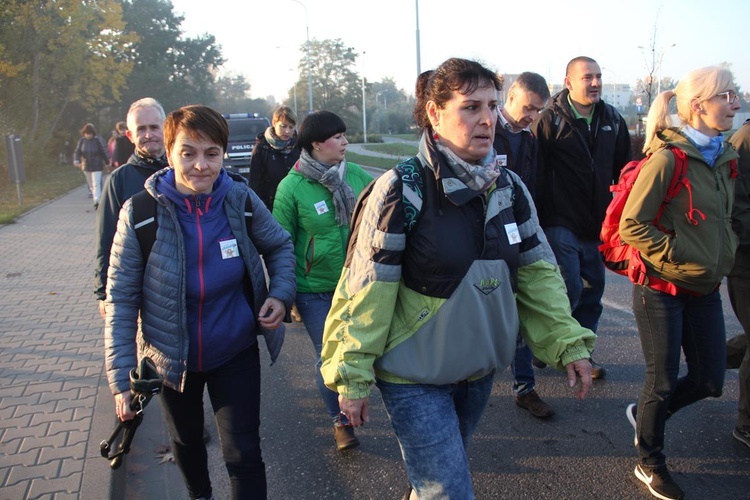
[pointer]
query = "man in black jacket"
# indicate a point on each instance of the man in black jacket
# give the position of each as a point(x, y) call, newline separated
point(583, 145)
point(517, 150)
point(145, 130)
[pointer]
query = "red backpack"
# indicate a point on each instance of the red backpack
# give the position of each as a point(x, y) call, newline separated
point(617, 255)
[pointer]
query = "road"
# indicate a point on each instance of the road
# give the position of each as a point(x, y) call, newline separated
point(584, 452)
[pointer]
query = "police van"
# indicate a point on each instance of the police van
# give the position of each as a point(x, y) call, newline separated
point(243, 129)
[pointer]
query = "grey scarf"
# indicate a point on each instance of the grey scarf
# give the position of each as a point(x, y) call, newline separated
point(333, 178)
point(478, 177)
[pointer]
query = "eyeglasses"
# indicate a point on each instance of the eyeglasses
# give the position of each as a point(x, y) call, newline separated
point(730, 95)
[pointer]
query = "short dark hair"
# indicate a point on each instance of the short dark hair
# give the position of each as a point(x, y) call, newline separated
point(88, 129)
point(576, 60)
point(319, 126)
point(454, 75)
point(195, 120)
point(531, 82)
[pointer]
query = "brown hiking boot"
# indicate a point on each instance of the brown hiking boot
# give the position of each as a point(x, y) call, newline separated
point(344, 436)
point(532, 402)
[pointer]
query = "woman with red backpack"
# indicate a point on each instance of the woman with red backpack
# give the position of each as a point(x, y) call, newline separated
point(692, 247)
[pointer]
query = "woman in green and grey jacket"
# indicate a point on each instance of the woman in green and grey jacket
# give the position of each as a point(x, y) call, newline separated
point(442, 272)
point(314, 202)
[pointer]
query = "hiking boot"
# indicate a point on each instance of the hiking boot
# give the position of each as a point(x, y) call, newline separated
point(741, 436)
point(538, 363)
point(659, 482)
point(631, 411)
point(532, 402)
point(597, 370)
point(344, 436)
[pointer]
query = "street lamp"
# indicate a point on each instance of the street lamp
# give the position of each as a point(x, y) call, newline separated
point(364, 106)
point(307, 49)
point(419, 63)
point(385, 98)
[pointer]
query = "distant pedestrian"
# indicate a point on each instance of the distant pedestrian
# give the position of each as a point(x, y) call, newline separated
point(123, 147)
point(91, 157)
point(692, 248)
point(583, 144)
point(276, 151)
point(517, 150)
point(739, 280)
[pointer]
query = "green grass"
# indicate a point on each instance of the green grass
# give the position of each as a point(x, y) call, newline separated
point(43, 183)
point(371, 161)
point(408, 137)
point(392, 148)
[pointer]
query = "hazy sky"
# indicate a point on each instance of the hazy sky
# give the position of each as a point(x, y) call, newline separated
point(261, 39)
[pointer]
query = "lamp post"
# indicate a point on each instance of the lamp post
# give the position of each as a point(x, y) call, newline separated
point(614, 89)
point(661, 60)
point(419, 62)
point(307, 49)
point(364, 105)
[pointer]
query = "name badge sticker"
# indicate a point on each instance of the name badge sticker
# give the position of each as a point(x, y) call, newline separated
point(502, 160)
point(321, 207)
point(229, 249)
point(514, 237)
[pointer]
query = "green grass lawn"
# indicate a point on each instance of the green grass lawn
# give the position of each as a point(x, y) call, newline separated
point(392, 148)
point(43, 183)
point(371, 161)
point(409, 137)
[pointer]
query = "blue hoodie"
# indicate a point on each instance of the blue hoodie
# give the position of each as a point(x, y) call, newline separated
point(219, 312)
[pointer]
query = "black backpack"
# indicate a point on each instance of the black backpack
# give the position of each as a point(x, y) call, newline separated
point(145, 222)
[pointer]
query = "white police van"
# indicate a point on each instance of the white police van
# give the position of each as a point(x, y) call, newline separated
point(243, 129)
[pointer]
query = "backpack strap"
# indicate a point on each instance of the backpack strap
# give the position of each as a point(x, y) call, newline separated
point(144, 221)
point(679, 180)
point(411, 173)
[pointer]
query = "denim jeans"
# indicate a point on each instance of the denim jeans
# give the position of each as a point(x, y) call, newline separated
point(667, 325)
point(234, 390)
point(434, 424)
point(520, 367)
point(314, 307)
point(739, 296)
point(583, 272)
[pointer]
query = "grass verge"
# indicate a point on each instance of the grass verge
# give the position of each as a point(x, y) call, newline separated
point(43, 183)
point(392, 148)
point(371, 161)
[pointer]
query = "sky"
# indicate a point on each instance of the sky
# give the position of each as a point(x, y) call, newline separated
point(262, 39)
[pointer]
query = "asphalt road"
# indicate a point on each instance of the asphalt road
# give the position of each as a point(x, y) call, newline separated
point(584, 452)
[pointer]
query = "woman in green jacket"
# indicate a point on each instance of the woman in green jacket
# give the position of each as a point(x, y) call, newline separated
point(314, 202)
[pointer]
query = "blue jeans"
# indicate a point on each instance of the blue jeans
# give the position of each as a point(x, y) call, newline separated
point(314, 307)
point(739, 296)
point(234, 390)
point(520, 367)
point(583, 272)
point(434, 424)
point(667, 325)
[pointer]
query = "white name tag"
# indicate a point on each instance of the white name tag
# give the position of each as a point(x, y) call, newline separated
point(502, 160)
point(229, 249)
point(514, 237)
point(321, 207)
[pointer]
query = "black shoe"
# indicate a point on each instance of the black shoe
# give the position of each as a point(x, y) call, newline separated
point(741, 436)
point(534, 404)
point(344, 437)
point(631, 412)
point(659, 482)
point(597, 370)
point(538, 363)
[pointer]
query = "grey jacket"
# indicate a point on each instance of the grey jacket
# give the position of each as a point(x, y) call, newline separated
point(157, 292)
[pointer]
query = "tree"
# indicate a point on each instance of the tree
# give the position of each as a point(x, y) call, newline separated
point(174, 70)
point(335, 86)
point(61, 59)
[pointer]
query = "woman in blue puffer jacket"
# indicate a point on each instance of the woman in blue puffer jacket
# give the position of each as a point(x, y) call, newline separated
point(202, 301)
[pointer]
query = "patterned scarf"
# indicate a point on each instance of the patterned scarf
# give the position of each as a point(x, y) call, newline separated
point(284, 147)
point(478, 177)
point(333, 178)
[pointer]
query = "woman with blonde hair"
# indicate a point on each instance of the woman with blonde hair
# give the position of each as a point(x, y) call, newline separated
point(692, 248)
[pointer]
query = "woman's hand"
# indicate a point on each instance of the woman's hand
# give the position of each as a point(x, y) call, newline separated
point(580, 368)
point(271, 313)
point(356, 410)
point(122, 406)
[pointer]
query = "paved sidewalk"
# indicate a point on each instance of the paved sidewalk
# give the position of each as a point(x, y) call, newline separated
point(55, 406)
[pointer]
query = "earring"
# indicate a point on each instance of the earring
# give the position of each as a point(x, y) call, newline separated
point(435, 136)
